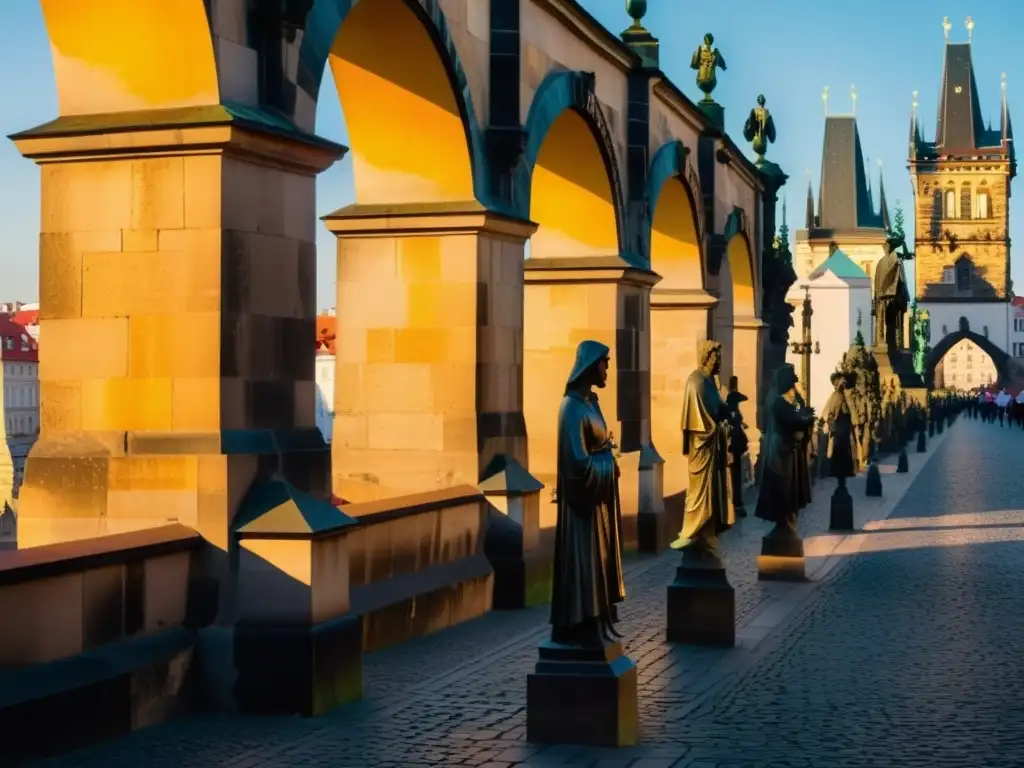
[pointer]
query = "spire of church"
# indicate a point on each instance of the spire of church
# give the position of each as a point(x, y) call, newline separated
point(809, 222)
point(883, 210)
point(960, 127)
point(915, 133)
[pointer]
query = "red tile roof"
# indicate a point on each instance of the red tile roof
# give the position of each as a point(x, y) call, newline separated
point(26, 317)
point(15, 343)
point(325, 333)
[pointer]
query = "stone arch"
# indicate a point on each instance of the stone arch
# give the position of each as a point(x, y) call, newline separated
point(675, 219)
point(999, 357)
point(570, 159)
point(408, 108)
point(125, 55)
point(739, 260)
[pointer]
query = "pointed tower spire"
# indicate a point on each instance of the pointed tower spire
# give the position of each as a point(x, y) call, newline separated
point(809, 222)
point(883, 210)
point(914, 133)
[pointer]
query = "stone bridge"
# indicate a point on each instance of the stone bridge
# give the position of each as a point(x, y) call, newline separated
point(178, 265)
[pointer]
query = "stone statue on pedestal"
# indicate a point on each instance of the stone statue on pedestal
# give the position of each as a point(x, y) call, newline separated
point(838, 418)
point(785, 484)
point(738, 444)
point(891, 295)
point(587, 579)
point(839, 415)
point(706, 440)
point(706, 60)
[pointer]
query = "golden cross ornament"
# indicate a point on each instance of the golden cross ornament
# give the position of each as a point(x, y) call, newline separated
point(824, 98)
point(970, 28)
point(853, 98)
point(946, 26)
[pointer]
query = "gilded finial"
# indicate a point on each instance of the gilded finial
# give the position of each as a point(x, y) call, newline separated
point(970, 28)
point(914, 102)
point(1002, 82)
point(946, 26)
point(853, 98)
point(636, 10)
point(824, 99)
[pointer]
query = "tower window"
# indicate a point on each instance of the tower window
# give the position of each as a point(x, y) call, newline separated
point(948, 276)
point(965, 201)
point(950, 205)
point(963, 275)
point(984, 206)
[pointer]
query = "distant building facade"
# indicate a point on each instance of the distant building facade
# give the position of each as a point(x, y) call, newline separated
point(845, 216)
point(840, 294)
point(324, 373)
point(19, 354)
point(961, 184)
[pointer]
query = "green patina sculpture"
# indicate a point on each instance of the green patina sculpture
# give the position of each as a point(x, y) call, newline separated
point(707, 60)
point(759, 129)
point(920, 335)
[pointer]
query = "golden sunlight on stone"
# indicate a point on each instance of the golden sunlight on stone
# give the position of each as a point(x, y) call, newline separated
point(122, 55)
point(406, 129)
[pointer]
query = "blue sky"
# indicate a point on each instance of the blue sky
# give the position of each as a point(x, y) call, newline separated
point(786, 49)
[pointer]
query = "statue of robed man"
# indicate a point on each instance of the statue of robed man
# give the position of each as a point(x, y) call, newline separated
point(892, 297)
point(706, 426)
point(786, 482)
point(839, 416)
point(588, 556)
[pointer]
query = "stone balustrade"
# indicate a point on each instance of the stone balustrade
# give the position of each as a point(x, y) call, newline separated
point(96, 637)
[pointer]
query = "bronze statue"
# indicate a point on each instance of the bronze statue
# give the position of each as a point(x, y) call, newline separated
point(839, 418)
point(706, 60)
point(786, 483)
point(706, 427)
point(738, 444)
point(587, 579)
point(891, 295)
point(759, 129)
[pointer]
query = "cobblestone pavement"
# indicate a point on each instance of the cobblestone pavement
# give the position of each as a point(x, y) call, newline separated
point(906, 654)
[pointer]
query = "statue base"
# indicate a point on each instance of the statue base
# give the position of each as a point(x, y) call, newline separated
point(781, 558)
point(701, 607)
point(714, 111)
point(579, 695)
point(922, 444)
point(902, 464)
point(840, 516)
point(874, 481)
point(897, 363)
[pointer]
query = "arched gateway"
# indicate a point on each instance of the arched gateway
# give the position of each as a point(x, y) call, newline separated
point(999, 357)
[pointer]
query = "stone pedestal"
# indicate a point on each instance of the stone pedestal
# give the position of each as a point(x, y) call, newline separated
point(653, 526)
point(429, 336)
point(841, 510)
point(714, 111)
point(569, 300)
point(902, 464)
point(701, 607)
point(873, 486)
point(522, 560)
point(177, 287)
point(582, 696)
point(297, 649)
point(922, 442)
point(781, 558)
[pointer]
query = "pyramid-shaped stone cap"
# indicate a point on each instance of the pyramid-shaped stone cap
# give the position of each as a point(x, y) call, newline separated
point(276, 508)
point(505, 476)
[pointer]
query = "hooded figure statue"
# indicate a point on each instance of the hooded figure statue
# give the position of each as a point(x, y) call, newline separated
point(587, 579)
point(786, 483)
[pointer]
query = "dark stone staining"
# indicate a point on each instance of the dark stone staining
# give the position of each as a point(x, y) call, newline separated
point(103, 606)
point(134, 597)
